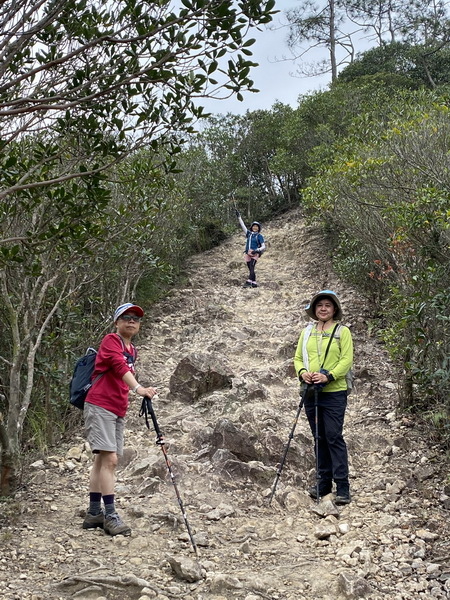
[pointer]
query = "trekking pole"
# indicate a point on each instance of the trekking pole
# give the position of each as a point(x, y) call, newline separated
point(283, 458)
point(316, 438)
point(146, 408)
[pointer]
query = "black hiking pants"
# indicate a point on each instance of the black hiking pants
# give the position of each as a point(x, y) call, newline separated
point(332, 455)
point(251, 269)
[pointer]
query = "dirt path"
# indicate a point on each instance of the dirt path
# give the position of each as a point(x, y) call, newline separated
point(390, 543)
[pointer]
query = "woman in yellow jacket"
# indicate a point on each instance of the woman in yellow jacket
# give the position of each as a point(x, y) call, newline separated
point(322, 360)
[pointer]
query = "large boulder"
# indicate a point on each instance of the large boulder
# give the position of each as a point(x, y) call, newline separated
point(228, 436)
point(199, 374)
point(229, 466)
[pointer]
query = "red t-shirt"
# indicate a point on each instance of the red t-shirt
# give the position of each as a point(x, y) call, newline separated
point(113, 360)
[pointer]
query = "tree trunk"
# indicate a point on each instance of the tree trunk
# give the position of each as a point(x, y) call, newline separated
point(24, 350)
point(332, 42)
point(10, 467)
point(10, 433)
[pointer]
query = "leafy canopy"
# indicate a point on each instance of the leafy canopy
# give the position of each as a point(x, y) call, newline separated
point(109, 76)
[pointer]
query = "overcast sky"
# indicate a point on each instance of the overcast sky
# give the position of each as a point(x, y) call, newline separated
point(274, 77)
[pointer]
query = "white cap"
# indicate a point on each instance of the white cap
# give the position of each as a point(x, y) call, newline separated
point(123, 308)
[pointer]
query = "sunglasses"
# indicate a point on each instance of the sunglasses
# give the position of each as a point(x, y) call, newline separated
point(130, 318)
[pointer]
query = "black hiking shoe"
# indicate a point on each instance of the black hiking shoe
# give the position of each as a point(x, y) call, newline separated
point(247, 284)
point(342, 494)
point(254, 284)
point(324, 490)
point(343, 498)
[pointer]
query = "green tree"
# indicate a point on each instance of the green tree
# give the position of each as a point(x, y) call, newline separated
point(264, 152)
point(412, 66)
point(112, 76)
point(247, 159)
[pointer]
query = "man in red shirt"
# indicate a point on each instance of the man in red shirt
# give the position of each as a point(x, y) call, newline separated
point(104, 411)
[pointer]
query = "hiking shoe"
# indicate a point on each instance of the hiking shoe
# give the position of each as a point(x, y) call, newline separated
point(254, 284)
point(323, 491)
point(247, 284)
point(115, 526)
point(342, 493)
point(92, 521)
point(343, 498)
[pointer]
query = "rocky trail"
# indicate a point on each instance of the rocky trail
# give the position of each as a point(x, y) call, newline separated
point(221, 356)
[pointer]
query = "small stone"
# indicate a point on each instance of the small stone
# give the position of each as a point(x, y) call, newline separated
point(38, 464)
point(185, 568)
point(426, 535)
point(343, 528)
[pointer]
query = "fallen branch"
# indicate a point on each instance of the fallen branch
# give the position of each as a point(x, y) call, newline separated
point(106, 581)
point(117, 583)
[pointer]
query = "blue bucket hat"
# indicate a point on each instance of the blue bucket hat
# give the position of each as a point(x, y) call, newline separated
point(330, 295)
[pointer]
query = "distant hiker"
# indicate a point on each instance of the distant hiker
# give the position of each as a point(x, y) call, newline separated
point(104, 411)
point(254, 247)
point(321, 361)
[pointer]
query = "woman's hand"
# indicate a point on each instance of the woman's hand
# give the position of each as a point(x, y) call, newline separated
point(319, 378)
point(307, 377)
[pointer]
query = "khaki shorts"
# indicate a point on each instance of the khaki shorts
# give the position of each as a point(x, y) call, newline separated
point(103, 429)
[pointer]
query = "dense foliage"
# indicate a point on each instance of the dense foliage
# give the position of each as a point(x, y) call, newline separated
point(385, 201)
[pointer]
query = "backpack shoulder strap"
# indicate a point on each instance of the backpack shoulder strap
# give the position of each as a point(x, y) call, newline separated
point(133, 347)
point(306, 335)
point(121, 341)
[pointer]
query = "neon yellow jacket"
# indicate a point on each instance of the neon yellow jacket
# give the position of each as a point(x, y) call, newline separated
point(339, 358)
